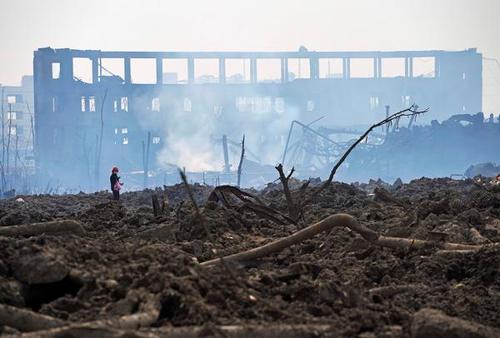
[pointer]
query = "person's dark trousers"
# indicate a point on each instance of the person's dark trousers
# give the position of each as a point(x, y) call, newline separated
point(116, 195)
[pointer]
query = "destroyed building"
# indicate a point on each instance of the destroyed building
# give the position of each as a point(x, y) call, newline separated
point(98, 108)
point(17, 129)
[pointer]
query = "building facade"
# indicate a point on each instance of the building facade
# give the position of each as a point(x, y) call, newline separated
point(96, 108)
point(17, 129)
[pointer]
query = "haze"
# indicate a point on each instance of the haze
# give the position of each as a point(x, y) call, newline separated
point(249, 25)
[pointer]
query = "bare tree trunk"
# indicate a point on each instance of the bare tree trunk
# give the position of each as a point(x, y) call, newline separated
point(31, 146)
point(8, 142)
point(26, 320)
point(240, 165)
point(16, 155)
point(227, 166)
point(96, 155)
point(165, 204)
point(293, 211)
point(4, 181)
point(99, 147)
point(3, 135)
point(156, 205)
point(146, 160)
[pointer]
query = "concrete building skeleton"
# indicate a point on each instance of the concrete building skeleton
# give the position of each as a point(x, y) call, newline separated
point(347, 88)
point(17, 129)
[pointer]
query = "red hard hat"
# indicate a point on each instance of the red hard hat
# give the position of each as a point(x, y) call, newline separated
point(114, 169)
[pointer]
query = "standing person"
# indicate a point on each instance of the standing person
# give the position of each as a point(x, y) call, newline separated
point(116, 185)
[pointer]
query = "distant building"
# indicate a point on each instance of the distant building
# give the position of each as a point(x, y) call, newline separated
point(83, 94)
point(17, 129)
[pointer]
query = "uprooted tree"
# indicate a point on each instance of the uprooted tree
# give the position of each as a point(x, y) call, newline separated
point(302, 198)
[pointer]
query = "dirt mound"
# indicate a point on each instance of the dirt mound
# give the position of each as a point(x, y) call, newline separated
point(335, 279)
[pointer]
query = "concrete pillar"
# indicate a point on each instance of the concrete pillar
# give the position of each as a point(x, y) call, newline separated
point(66, 67)
point(284, 70)
point(222, 70)
point(159, 71)
point(128, 75)
point(378, 67)
point(253, 70)
point(407, 67)
point(346, 68)
point(437, 64)
point(410, 59)
point(95, 70)
point(314, 68)
point(190, 70)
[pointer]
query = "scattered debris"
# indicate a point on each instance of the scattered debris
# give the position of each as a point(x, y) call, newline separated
point(55, 227)
point(430, 243)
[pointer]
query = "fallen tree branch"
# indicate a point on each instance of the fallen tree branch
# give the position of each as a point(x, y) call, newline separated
point(249, 201)
point(35, 229)
point(392, 290)
point(227, 331)
point(398, 243)
point(327, 224)
point(86, 332)
point(301, 235)
point(148, 313)
point(248, 331)
point(26, 320)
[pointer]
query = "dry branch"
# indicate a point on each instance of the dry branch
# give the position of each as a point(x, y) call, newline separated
point(242, 157)
point(228, 331)
point(165, 204)
point(301, 235)
point(26, 320)
point(99, 144)
point(86, 332)
point(397, 242)
point(293, 211)
point(392, 290)
point(249, 331)
point(35, 229)
point(327, 224)
point(190, 193)
point(156, 204)
point(249, 201)
point(409, 112)
point(149, 310)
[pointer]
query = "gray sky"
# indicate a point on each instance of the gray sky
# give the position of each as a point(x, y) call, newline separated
point(190, 25)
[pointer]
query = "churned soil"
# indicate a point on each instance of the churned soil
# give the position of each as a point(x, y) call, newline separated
point(325, 280)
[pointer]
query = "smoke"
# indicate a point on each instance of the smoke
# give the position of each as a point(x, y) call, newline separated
point(189, 142)
point(192, 128)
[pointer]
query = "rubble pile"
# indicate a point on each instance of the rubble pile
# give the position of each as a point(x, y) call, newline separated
point(128, 268)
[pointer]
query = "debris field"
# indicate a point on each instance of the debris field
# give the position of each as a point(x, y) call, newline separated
point(86, 266)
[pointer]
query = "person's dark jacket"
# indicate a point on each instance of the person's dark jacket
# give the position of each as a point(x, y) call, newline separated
point(113, 179)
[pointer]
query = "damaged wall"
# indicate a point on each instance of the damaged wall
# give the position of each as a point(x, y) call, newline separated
point(208, 94)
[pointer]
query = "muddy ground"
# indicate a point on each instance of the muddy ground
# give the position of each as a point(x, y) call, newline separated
point(325, 280)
